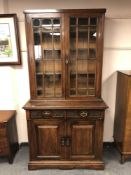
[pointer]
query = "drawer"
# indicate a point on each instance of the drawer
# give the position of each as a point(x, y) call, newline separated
point(85, 114)
point(2, 132)
point(4, 147)
point(36, 114)
point(3, 142)
point(4, 151)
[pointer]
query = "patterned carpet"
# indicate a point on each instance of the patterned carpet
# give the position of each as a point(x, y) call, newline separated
point(111, 159)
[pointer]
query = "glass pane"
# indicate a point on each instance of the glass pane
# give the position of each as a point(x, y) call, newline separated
point(39, 80)
point(72, 38)
point(91, 80)
point(73, 80)
point(39, 92)
point(93, 21)
point(46, 22)
point(49, 85)
point(73, 54)
point(47, 54)
point(39, 66)
point(52, 54)
point(47, 41)
point(57, 66)
point(37, 46)
point(72, 92)
point(82, 66)
point(47, 29)
point(57, 54)
point(72, 21)
point(72, 66)
point(82, 80)
point(92, 53)
point(39, 84)
point(58, 85)
point(83, 54)
point(82, 92)
point(83, 21)
point(93, 34)
point(36, 36)
point(36, 22)
point(91, 66)
point(91, 92)
point(56, 41)
point(56, 22)
point(82, 37)
point(56, 31)
point(49, 67)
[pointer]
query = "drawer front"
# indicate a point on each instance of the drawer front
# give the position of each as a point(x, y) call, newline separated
point(4, 147)
point(4, 151)
point(85, 114)
point(2, 132)
point(47, 114)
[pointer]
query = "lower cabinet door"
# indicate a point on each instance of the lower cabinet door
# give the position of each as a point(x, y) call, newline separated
point(46, 139)
point(82, 140)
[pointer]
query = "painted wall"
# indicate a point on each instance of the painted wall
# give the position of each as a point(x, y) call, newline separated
point(14, 80)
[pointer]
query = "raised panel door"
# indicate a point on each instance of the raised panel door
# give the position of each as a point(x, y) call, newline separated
point(47, 139)
point(82, 139)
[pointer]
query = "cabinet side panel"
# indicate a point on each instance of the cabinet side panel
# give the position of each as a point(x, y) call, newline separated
point(127, 137)
point(120, 111)
point(13, 137)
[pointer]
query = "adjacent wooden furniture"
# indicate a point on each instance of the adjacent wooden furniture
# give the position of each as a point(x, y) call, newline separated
point(8, 134)
point(65, 113)
point(122, 124)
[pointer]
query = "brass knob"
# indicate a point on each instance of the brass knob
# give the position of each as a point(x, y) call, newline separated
point(83, 114)
point(66, 61)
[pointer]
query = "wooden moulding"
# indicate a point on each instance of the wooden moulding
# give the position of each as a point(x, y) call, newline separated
point(97, 165)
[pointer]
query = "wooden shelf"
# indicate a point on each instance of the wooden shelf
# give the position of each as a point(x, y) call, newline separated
point(80, 25)
point(48, 73)
point(86, 73)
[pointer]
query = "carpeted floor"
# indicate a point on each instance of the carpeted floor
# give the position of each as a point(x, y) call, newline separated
point(111, 159)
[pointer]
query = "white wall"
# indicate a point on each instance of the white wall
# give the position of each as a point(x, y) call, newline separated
point(14, 80)
point(117, 56)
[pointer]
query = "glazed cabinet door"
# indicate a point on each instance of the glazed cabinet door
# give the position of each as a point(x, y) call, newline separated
point(46, 139)
point(83, 140)
point(46, 55)
point(83, 55)
point(65, 54)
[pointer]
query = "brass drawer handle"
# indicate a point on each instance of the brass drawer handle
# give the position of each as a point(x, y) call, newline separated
point(46, 113)
point(83, 114)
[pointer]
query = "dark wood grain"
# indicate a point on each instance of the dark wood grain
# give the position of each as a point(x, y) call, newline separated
point(122, 124)
point(65, 104)
point(8, 134)
point(89, 11)
point(65, 132)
